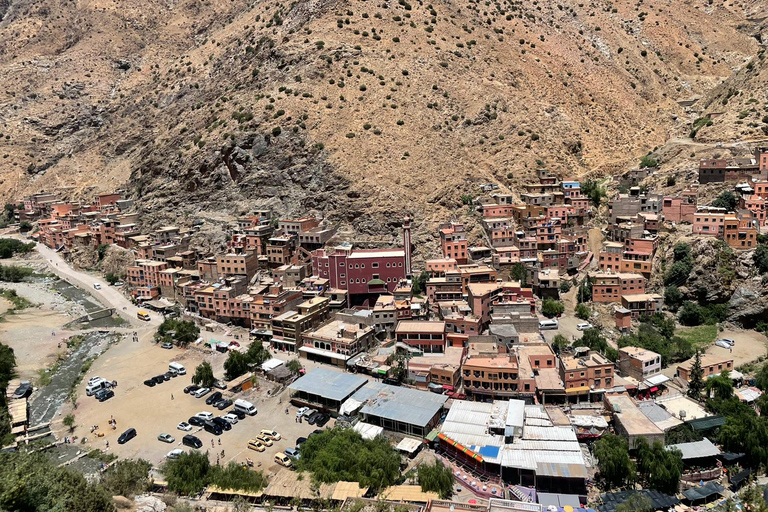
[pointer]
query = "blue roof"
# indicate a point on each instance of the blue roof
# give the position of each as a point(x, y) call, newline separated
point(329, 384)
point(491, 452)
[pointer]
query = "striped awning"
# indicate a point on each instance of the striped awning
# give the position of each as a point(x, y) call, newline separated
point(460, 448)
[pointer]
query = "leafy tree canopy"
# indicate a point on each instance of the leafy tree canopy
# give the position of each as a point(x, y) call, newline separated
point(179, 332)
point(613, 462)
point(437, 478)
point(551, 308)
point(343, 455)
point(204, 375)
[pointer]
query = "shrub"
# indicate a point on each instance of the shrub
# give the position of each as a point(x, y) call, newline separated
point(552, 308)
point(582, 311)
point(648, 161)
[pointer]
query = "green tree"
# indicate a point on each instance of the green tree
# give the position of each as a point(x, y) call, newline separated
point(436, 478)
point(11, 246)
point(583, 311)
point(673, 298)
point(7, 366)
point(760, 257)
point(613, 462)
point(551, 308)
point(678, 273)
point(636, 503)
point(294, 366)
point(648, 161)
point(565, 286)
point(112, 278)
point(188, 474)
point(761, 377)
point(518, 272)
point(180, 332)
point(235, 365)
point(101, 250)
point(659, 468)
point(25, 226)
point(559, 343)
point(204, 375)
point(420, 283)
point(343, 455)
point(69, 422)
point(127, 478)
point(727, 200)
point(29, 481)
point(720, 387)
point(690, 314)
point(257, 354)
point(584, 293)
point(682, 252)
point(594, 191)
point(14, 273)
point(696, 378)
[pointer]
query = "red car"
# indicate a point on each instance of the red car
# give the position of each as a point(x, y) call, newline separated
point(234, 344)
point(456, 396)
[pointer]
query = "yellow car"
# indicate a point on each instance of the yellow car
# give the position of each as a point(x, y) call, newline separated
point(253, 444)
point(283, 459)
point(264, 439)
point(271, 434)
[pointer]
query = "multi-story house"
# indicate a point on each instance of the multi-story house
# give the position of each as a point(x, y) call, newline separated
point(610, 287)
point(288, 328)
point(453, 241)
point(489, 378)
point(609, 258)
point(680, 208)
point(586, 376)
point(336, 341)
point(642, 303)
point(710, 364)
point(424, 336)
point(639, 363)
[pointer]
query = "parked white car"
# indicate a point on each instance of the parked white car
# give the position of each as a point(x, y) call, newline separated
point(723, 344)
point(230, 418)
point(584, 326)
point(207, 416)
point(729, 341)
point(202, 392)
point(301, 411)
point(186, 427)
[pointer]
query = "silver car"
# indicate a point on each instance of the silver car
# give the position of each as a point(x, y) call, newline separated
point(166, 438)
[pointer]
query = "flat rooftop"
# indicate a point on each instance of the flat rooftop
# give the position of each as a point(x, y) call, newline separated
point(396, 403)
point(421, 326)
point(630, 416)
point(329, 384)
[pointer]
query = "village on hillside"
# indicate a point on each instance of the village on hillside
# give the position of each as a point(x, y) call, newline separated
point(515, 362)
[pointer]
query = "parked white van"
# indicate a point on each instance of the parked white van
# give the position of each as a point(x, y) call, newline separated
point(92, 388)
point(180, 370)
point(548, 324)
point(245, 406)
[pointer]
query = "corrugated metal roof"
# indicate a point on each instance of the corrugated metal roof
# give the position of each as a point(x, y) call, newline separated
point(396, 403)
point(516, 413)
point(561, 470)
point(549, 433)
point(557, 446)
point(328, 383)
point(536, 411)
point(529, 459)
point(467, 423)
point(696, 449)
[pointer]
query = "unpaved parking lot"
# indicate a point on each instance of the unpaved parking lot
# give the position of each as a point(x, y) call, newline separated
point(749, 345)
point(151, 410)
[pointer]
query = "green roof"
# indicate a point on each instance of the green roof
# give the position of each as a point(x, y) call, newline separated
point(707, 423)
point(376, 282)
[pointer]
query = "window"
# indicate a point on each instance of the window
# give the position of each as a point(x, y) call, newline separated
point(375, 265)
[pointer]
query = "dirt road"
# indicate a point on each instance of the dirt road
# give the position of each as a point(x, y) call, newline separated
point(108, 295)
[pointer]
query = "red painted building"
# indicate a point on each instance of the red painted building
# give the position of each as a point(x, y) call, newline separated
point(360, 272)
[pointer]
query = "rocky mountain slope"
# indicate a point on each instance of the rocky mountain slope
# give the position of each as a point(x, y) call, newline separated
point(361, 110)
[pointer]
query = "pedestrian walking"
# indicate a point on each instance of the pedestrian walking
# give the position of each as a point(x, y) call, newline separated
point(171, 396)
point(107, 445)
point(219, 441)
point(212, 443)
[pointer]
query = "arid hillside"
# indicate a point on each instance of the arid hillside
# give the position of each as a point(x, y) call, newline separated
point(362, 110)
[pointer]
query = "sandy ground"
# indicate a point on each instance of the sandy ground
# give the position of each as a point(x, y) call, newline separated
point(35, 333)
point(152, 411)
point(749, 346)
